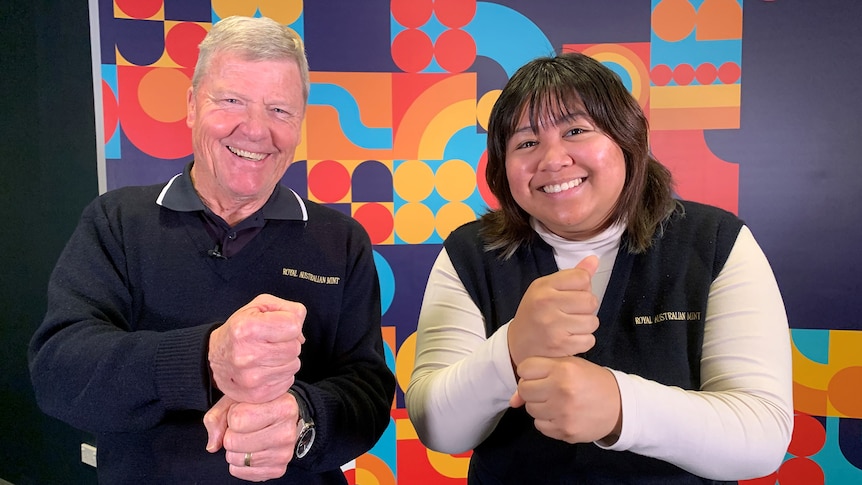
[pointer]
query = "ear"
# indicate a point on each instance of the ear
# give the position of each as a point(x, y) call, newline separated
point(191, 108)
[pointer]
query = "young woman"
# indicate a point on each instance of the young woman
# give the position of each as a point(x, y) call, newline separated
point(594, 329)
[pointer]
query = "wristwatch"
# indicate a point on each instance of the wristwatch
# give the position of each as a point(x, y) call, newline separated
point(305, 431)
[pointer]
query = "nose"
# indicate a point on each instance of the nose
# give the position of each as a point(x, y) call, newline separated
point(554, 156)
point(255, 125)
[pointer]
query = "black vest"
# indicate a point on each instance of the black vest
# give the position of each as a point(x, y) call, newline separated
point(651, 324)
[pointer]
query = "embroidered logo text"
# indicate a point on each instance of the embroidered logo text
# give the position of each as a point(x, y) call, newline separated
point(305, 275)
point(667, 316)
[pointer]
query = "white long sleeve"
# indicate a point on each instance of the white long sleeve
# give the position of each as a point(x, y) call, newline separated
point(461, 382)
point(741, 418)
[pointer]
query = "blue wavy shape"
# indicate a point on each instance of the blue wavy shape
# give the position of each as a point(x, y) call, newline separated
point(342, 100)
point(512, 46)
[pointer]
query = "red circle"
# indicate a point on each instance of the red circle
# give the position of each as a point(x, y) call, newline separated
point(705, 74)
point(482, 184)
point(729, 72)
point(800, 471)
point(412, 50)
point(411, 13)
point(808, 437)
point(683, 74)
point(139, 9)
point(455, 13)
point(455, 50)
point(160, 139)
point(661, 75)
point(181, 43)
point(329, 181)
point(377, 221)
point(110, 111)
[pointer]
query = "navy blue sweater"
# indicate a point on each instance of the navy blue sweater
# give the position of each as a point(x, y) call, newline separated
point(131, 303)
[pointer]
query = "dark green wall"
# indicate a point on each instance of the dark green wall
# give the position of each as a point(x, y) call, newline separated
point(47, 175)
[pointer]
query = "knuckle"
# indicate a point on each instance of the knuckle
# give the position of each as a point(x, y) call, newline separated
point(210, 420)
point(228, 442)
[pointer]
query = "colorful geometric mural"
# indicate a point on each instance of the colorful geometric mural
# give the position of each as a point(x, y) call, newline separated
point(395, 137)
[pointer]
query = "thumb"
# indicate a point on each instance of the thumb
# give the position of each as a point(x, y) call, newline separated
point(215, 421)
point(589, 264)
point(269, 303)
point(516, 400)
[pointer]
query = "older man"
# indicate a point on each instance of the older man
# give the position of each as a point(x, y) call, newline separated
point(220, 326)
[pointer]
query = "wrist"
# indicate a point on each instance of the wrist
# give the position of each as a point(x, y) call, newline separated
point(305, 428)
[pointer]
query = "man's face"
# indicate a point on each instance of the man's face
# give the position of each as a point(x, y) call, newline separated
point(246, 120)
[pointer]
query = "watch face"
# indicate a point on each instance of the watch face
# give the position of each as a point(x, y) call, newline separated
point(305, 440)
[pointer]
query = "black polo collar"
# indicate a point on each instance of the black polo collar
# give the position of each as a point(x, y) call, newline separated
point(179, 195)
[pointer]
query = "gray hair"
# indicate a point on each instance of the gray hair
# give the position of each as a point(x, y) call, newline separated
point(253, 39)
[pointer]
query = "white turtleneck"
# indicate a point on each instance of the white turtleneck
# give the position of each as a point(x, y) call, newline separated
point(462, 381)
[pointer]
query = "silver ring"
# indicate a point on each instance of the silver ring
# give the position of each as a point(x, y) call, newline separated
point(247, 459)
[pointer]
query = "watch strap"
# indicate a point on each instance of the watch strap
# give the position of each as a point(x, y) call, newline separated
point(305, 430)
point(304, 410)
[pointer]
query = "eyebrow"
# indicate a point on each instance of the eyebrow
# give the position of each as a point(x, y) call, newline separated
point(567, 117)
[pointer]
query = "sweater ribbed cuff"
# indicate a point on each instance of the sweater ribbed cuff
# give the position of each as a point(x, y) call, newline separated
point(182, 370)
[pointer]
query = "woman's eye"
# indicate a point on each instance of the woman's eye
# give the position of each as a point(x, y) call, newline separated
point(527, 144)
point(575, 131)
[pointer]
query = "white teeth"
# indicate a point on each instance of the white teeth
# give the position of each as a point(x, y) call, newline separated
point(245, 154)
point(557, 188)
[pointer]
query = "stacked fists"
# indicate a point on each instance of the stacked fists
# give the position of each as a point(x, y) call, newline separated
point(254, 357)
point(570, 398)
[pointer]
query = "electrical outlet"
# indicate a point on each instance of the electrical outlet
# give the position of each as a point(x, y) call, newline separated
point(88, 454)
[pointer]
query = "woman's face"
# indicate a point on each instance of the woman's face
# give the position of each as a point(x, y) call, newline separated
point(569, 175)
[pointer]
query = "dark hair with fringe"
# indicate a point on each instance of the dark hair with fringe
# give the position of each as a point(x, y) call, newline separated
point(554, 86)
